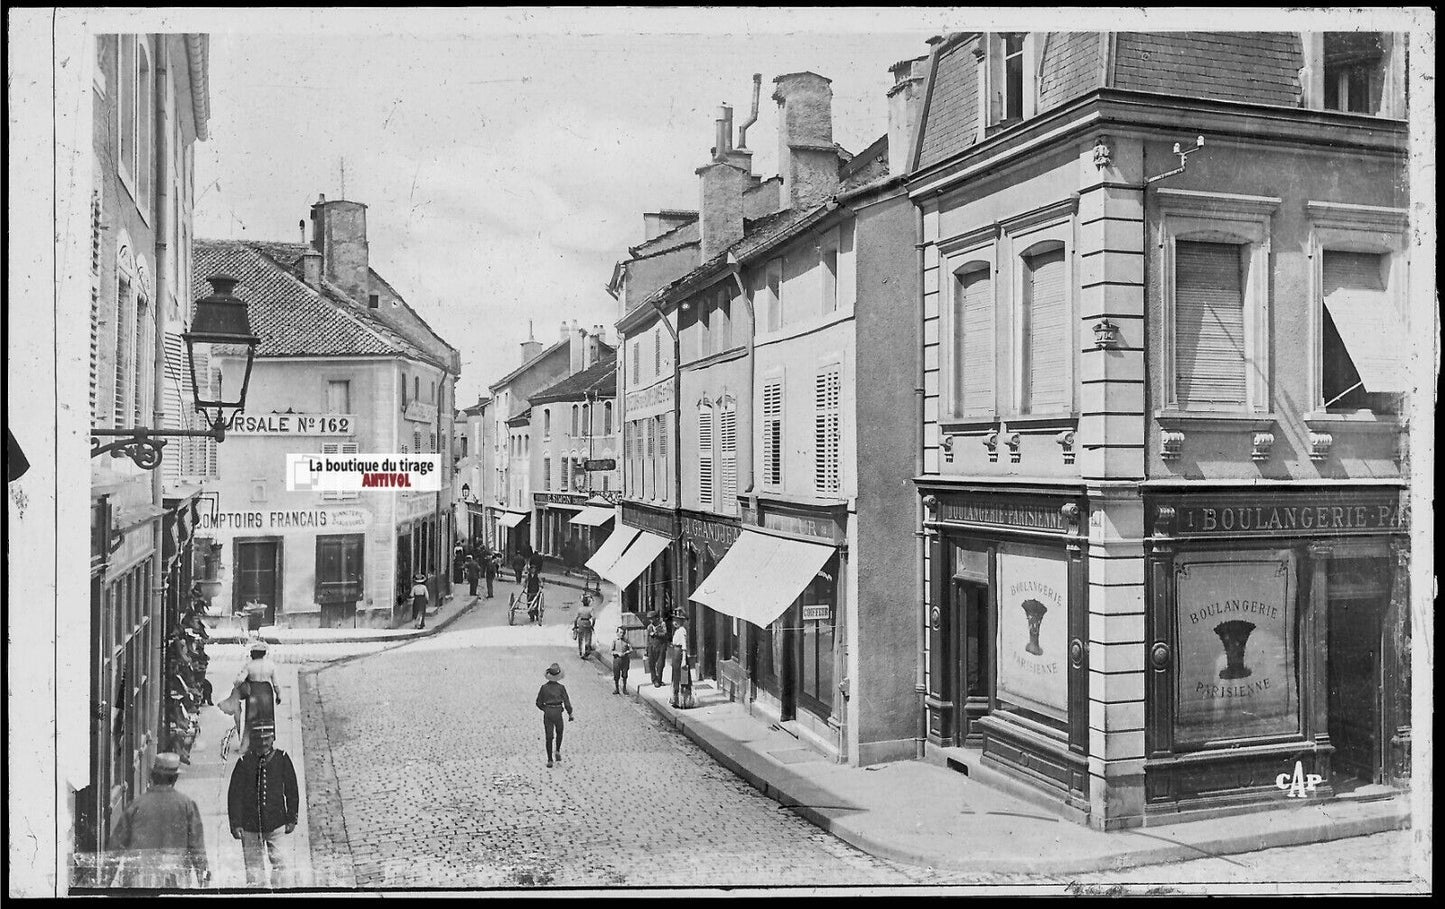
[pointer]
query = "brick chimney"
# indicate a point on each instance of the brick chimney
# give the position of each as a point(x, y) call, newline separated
point(311, 268)
point(338, 232)
point(530, 347)
point(905, 100)
point(721, 188)
point(807, 157)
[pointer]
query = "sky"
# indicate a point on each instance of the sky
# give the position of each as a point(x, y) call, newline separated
point(504, 174)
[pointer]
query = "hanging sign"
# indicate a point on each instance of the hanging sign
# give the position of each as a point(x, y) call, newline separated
point(1033, 629)
point(1236, 650)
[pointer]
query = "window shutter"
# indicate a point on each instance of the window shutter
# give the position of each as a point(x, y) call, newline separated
point(773, 433)
point(1047, 334)
point(1209, 325)
point(1353, 273)
point(175, 389)
point(825, 431)
point(95, 295)
point(124, 375)
point(546, 474)
point(974, 344)
point(728, 436)
point(704, 455)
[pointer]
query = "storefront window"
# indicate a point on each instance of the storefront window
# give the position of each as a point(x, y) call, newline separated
point(1033, 632)
point(819, 609)
point(1236, 647)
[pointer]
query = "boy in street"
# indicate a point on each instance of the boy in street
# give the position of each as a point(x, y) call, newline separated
point(552, 699)
point(621, 657)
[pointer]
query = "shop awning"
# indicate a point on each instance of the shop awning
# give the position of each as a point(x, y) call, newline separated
point(593, 516)
point(512, 518)
point(638, 556)
point(761, 576)
point(611, 548)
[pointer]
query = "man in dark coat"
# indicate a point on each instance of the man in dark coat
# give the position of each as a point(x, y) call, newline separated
point(263, 801)
point(552, 699)
point(473, 573)
point(519, 563)
point(490, 564)
point(159, 840)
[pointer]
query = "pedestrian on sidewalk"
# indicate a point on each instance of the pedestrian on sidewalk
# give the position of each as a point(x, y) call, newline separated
point(552, 699)
point(490, 565)
point(681, 673)
point(582, 627)
point(159, 840)
point(656, 647)
point(419, 597)
point(621, 657)
point(473, 573)
point(518, 563)
point(263, 800)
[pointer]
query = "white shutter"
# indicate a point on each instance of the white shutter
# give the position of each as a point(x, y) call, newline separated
point(773, 433)
point(825, 431)
point(974, 344)
point(1047, 334)
point(95, 295)
point(704, 455)
point(728, 436)
point(175, 388)
point(1209, 325)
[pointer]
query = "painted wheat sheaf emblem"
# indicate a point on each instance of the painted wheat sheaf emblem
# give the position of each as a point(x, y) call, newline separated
point(1234, 635)
point(1035, 612)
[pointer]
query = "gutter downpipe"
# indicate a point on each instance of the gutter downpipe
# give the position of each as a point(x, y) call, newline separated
point(160, 199)
point(675, 492)
point(920, 682)
point(736, 266)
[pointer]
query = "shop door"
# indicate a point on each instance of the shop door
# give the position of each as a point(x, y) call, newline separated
point(968, 645)
point(258, 575)
point(791, 646)
point(1358, 598)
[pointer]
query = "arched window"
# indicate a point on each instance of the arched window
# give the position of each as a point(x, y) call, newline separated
point(546, 423)
point(586, 419)
point(574, 419)
point(607, 418)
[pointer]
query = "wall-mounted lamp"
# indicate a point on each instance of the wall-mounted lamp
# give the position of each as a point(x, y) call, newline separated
point(1106, 334)
point(1183, 154)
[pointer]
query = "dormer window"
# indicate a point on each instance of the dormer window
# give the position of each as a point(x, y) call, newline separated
point(1008, 78)
point(1355, 72)
point(1013, 75)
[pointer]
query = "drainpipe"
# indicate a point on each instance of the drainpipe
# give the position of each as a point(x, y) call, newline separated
point(920, 683)
point(676, 465)
point(160, 200)
point(737, 271)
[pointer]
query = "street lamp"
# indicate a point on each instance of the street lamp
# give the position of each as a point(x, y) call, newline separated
point(466, 492)
point(220, 321)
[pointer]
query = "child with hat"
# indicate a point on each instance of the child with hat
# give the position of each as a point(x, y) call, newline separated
point(552, 699)
point(621, 657)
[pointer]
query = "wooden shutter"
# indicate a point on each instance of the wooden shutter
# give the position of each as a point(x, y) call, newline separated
point(773, 433)
point(825, 431)
point(1209, 325)
point(339, 568)
point(974, 344)
point(704, 455)
point(728, 436)
point(546, 474)
point(1046, 334)
point(95, 251)
point(175, 387)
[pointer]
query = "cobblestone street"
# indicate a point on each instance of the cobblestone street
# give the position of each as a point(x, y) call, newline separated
point(426, 767)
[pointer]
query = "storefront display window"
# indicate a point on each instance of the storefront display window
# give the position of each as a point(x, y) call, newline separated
point(819, 602)
point(1033, 631)
point(1236, 645)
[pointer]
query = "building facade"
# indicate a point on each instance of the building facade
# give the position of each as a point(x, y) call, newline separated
point(339, 372)
point(150, 101)
point(475, 478)
point(1162, 477)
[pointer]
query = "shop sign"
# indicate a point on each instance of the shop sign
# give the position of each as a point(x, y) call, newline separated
point(300, 519)
point(1320, 515)
point(559, 498)
point(702, 531)
point(292, 424)
point(647, 520)
point(818, 526)
point(420, 412)
point(1033, 629)
point(819, 612)
point(995, 513)
point(419, 506)
point(600, 464)
point(653, 396)
point(1236, 656)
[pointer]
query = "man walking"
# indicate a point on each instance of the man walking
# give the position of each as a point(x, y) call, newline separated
point(656, 648)
point(489, 568)
point(552, 699)
point(159, 839)
point(621, 657)
point(518, 563)
point(582, 627)
point(473, 573)
point(263, 801)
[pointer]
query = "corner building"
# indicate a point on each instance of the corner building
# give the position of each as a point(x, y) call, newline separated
point(1163, 485)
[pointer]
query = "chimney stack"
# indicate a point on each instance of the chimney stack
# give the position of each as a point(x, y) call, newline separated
point(807, 157)
point(530, 347)
point(905, 101)
point(340, 237)
point(311, 268)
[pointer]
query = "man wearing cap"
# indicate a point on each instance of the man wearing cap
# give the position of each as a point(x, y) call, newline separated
point(657, 636)
point(159, 840)
point(552, 699)
point(263, 800)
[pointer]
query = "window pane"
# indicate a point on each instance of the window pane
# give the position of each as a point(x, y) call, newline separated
point(338, 397)
point(1209, 325)
point(1046, 349)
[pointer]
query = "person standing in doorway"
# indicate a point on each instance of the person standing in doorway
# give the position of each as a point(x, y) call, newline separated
point(490, 564)
point(419, 598)
point(159, 840)
point(519, 562)
point(552, 699)
point(473, 573)
point(621, 657)
point(680, 674)
point(263, 800)
point(656, 648)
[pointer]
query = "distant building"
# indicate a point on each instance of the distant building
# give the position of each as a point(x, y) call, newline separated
point(345, 367)
point(474, 478)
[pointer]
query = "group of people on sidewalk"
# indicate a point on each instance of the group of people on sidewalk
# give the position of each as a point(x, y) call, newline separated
point(159, 840)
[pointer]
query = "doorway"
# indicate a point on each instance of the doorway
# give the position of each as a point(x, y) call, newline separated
point(1358, 598)
point(258, 576)
point(970, 644)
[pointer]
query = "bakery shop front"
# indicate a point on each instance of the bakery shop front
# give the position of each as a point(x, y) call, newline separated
point(1006, 667)
point(1278, 634)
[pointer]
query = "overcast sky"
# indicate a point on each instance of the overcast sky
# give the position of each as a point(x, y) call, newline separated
point(504, 174)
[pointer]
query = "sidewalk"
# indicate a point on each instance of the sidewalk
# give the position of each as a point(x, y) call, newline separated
point(207, 778)
point(226, 630)
point(925, 814)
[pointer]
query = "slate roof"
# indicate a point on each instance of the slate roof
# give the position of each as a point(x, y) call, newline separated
point(292, 318)
point(600, 379)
